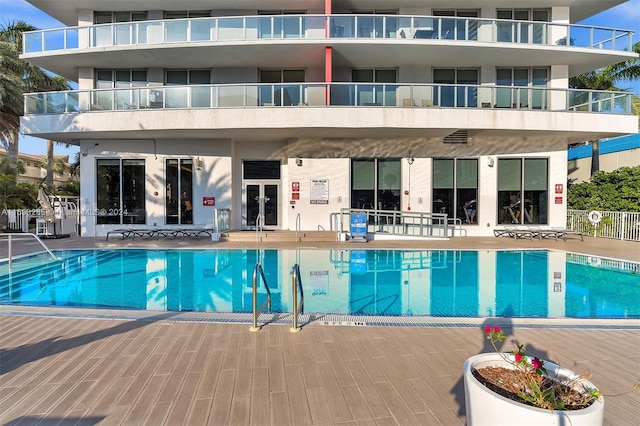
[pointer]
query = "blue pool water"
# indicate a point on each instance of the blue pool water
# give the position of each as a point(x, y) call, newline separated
point(443, 283)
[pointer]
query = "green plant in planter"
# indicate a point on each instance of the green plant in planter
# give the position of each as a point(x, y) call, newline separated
point(531, 382)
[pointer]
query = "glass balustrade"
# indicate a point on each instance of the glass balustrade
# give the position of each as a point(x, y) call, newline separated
point(239, 28)
point(329, 95)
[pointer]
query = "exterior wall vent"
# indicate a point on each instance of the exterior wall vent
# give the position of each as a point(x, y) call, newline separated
point(459, 136)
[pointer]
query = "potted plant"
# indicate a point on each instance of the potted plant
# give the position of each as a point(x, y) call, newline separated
point(508, 388)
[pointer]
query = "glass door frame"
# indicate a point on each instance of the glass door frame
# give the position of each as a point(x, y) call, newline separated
point(249, 223)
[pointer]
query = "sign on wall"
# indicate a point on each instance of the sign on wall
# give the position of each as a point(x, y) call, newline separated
point(209, 201)
point(319, 191)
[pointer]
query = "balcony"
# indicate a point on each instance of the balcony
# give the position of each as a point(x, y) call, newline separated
point(331, 95)
point(400, 28)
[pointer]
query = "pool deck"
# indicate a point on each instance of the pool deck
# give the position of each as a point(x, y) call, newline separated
point(162, 368)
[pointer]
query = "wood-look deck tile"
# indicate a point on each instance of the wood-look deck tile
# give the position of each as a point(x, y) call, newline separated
point(184, 400)
point(277, 378)
point(25, 404)
point(300, 414)
point(280, 413)
point(174, 382)
point(335, 352)
point(244, 375)
point(309, 373)
point(200, 412)
point(333, 393)
point(221, 401)
point(356, 403)
point(374, 400)
point(209, 379)
point(319, 407)
point(144, 400)
point(140, 377)
point(116, 415)
point(159, 413)
point(260, 398)
point(240, 411)
point(396, 404)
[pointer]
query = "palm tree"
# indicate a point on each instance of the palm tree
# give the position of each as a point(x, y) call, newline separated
point(16, 78)
point(607, 79)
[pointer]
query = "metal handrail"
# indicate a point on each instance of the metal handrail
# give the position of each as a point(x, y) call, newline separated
point(297, 226)
point(298, 308)
point(267, 303)
point(10, 250)
point(258, 225)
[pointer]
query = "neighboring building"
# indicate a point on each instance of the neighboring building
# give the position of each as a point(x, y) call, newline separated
point(295, 110)
point(36, 168)
point(614, 153)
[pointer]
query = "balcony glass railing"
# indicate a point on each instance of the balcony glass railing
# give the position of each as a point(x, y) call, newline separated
point(245, 28)
point(328, 95)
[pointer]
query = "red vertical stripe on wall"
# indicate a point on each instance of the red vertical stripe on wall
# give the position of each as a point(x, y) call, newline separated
point(328, 54)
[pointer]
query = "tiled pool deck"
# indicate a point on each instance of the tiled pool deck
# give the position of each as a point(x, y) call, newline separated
point(154, 369)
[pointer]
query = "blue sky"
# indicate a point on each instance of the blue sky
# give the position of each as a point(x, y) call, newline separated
point(626, 16)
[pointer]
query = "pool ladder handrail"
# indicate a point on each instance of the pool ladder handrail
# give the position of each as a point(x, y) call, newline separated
point(10, 249)
point(267, 303)
point(298, 308)
point(259, 220)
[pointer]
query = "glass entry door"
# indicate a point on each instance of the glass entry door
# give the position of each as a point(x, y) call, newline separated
point(261, 202)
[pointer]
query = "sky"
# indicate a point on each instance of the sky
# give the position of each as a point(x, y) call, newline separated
point(625, 16)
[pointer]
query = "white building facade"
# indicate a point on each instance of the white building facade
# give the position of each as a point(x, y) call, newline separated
point(286, 112)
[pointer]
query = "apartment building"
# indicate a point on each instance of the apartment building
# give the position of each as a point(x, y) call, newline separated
point(288, 112)
point(35, 168)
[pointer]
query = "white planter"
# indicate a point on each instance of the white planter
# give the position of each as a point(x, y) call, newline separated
point(485, 407)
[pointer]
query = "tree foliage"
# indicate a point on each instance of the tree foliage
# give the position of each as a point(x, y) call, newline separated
point(617, 191)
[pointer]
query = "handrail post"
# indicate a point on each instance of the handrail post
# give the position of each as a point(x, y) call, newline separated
point(296, 284)
point(256, 311)
point(9, 252)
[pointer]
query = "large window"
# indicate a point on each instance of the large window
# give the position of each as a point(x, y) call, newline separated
point(456, 96)
point(374, 94)
point(178, 97)
point(375, 184)
point(458, 29)
point(179, 198)
point(523, 190)
point(277, 91)
point(522, 32)
point(118, 34)
point(522, 83)
point(127, 81)
point(455, 188)
point(121, 191)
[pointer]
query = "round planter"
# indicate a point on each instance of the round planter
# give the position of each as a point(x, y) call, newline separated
point(485, 407)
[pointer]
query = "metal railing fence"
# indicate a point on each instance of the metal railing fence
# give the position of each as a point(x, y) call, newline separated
point(615, 225)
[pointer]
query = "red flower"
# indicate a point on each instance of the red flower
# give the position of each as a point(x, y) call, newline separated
point(487, 329)
point(496, 329)
point(518, 357)
point(536, 363)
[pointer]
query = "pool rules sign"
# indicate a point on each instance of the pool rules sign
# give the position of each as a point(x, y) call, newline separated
point(319, 193)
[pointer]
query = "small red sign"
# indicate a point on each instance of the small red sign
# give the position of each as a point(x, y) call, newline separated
point(209, 201)
point(295, 186)
point(559, 188)
point(295, 195)
point(558, 200)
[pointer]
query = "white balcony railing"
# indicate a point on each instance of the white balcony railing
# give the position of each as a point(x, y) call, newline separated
point(246, 28)
point(328, 95)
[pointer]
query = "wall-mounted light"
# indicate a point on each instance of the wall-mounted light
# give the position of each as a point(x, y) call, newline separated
point(198, 163)
point(490, 163)
point(410, 160)
point(86, 151)
point(298, 161)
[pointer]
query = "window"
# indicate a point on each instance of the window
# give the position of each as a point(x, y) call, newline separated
point(178, 97)
point(458, 29)
point(179, 196)
point(122, 34)
point(375, 184)
point(276, 91)
point(522, 179)
point(126, 97)
point(121, 191)
point(455, 188)
point(522, 32)
point(456, 96)
point(383, 93)
point(522, 80)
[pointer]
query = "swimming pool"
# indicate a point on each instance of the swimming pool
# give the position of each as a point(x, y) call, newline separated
point(438, 283)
